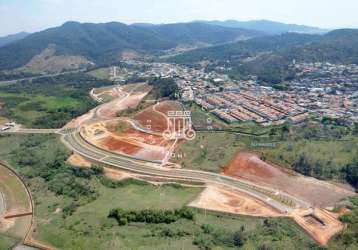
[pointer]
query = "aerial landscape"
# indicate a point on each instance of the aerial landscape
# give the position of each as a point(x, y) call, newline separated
point(178, 126)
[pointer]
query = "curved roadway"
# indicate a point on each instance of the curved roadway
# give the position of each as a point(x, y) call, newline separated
point(282, 202)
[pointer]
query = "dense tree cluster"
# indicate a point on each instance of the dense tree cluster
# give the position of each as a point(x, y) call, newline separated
point(5, 76)
point(210, 237)
point(351, 172)
point(163, 87)
point(60, 177)
point(151, 216)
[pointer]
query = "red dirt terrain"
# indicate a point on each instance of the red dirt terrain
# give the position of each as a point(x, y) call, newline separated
point(126, 97)
point(123, 135)
point(250, 167)
point(155, 116)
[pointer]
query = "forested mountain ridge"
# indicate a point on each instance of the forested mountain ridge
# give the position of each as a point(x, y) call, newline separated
point(103, 43)
point(269, 27)
point(246, 48)
point(5, 40)
point(269, 57)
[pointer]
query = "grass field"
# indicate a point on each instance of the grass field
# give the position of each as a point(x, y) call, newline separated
point(101, 73)
point(7, 242)
point(209, 151)
point(79, 230)
point(89, 228)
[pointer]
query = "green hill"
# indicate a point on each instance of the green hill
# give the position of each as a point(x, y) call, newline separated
point(269, 27)
point(12, 38)
point(269, 57)
point(103, 43)
point(191, 33)
point(247, 48)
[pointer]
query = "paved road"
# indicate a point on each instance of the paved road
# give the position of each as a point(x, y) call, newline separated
point(2, 203)
point(9, 82)
point(72, 138)
point(271, 197)
point(30, 131)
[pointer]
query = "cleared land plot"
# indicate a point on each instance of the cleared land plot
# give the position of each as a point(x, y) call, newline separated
point(134, 93)
point(155, 117)
point(126, 135)
point(321, 225)
point(126, 97)
point(250, 167)
point(121, 137)
point(107, 94)
point(222, 199)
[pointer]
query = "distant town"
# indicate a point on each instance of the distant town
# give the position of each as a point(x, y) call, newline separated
point(319, 90)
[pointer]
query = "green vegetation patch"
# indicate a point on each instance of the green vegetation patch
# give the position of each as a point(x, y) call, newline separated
point(101, 73)
point(209, 151)
point(7, 242)
point(49, 102)
point(121, 127)
point(80, 220)
point(150, 216)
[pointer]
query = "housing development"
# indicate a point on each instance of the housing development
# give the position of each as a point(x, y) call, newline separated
point(316, 92)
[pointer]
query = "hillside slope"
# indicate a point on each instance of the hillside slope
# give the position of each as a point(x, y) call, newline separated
point(103, 43)
point(244, 49)
point(269, 57)
point(269, 27)
point(12, 38)
point(191, 33)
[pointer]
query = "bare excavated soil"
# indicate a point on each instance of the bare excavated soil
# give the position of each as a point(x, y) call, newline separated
point(124, 136)
point(155, 117)
point(250, 167)
point(222, 199)
point(126, 97)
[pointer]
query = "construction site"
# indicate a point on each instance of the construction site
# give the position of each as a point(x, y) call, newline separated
point(136, 145)
point(140, 136)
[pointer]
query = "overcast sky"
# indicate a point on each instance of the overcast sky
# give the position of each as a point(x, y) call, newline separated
point(35, 15)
